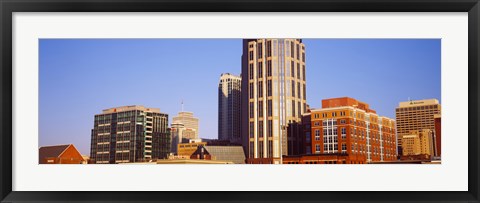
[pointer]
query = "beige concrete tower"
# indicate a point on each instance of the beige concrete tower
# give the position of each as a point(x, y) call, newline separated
point(273, 95)
point(415, 115)
point(229, 89)
point(189, 122)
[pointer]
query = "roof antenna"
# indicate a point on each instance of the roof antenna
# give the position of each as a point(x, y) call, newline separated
point(182, 105)
point(410, 100)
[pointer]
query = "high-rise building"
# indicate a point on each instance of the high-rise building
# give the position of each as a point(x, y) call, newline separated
point(418, 142)
point(190, 123)
point(349, 127)
point(129, 134)
point(176, 132)
point(415, 115)
point(229, 99)
point(273, 95)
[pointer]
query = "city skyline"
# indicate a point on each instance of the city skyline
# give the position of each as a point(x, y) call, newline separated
point(72, 70)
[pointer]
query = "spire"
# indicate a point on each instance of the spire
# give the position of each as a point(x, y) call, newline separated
point(182, 105)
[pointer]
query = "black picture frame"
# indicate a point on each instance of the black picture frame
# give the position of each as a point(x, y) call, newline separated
point(7, 8)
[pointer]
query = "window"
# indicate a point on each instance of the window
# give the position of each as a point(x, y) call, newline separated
point(292, 50)
point(292, 69)
point(298, 52)
point(307, 137)
point(251, 90)
point(269, 107)
point(270, 128)
point(325, 132)
point(317, 134)
point(324, 123)
point(325, 148)
point(334, 114)
point(344, 147)
point(269, 48)
point(251, 130)
point(342, 121)
point(260, 89)
point(251, 150)
point(344, 131)
point(299, 109)
point(335, 131)
point(251, 110)
point(259, 50)
point(293, 89)
point(260, 109)
point(260, 128)
point(270, 148)
point(298, 71)
point(250, 71)
point(303, 70)
point(269, 87)
point(317, 148)
point(260, 149)
point(260, 70)
point(251, 55)
point(269, 68)
point(293, 108)
point(298, 92)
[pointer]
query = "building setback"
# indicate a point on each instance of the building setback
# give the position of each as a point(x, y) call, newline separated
point(347, 126)
point(129, 134)
point(190, 123)
point(415, 115)
point(229, 99)
point(273, 95)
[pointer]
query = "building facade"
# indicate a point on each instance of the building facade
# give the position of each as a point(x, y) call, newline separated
point(418, 142)
point(273, 95)
point(229, 99)
point(347, 126)
point(190, 123)
point(187, 149)
point(415, 115)
point(129, 134)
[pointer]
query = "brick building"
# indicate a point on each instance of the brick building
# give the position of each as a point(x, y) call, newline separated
point(347, 126)
point(59, 154)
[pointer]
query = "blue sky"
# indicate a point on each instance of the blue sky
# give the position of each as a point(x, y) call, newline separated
point(81, 77)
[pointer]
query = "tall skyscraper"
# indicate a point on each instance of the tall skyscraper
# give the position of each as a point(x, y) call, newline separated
point(273, 95)
point(189, 122)
point(129, 134)
point(415, 115)
point(229, 99)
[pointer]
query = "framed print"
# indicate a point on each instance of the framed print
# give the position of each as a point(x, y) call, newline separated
point(239, 101)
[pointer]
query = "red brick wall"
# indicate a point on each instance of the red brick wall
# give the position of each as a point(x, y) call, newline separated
point(438, 134)
point(70, 156)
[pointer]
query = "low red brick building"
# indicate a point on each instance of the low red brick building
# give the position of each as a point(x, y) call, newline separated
point(337, 158)
point(59, 154)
